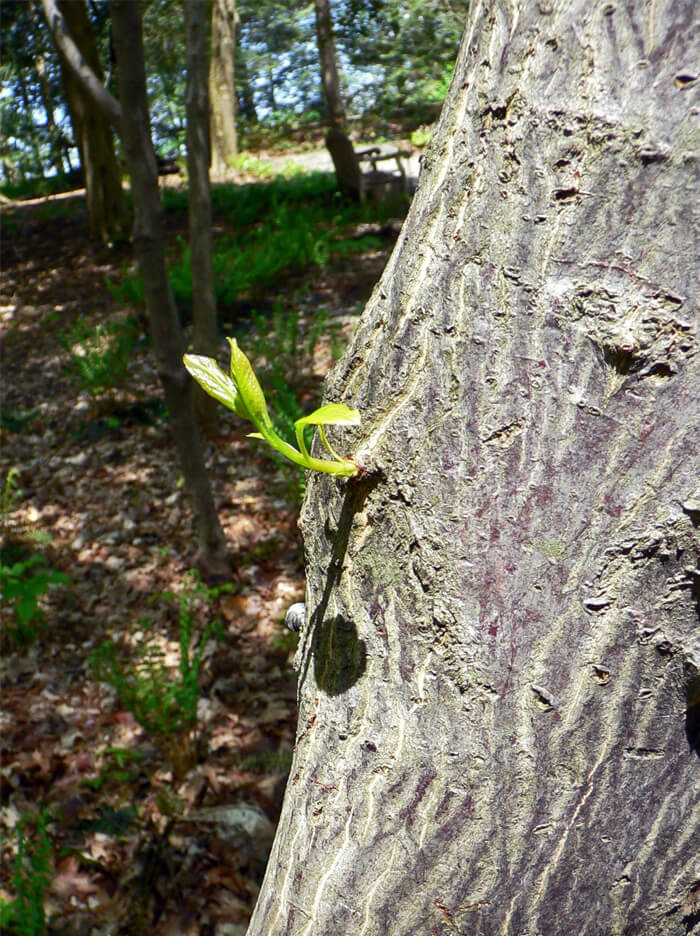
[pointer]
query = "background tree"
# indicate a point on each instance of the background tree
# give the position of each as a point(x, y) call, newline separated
point(395, 58)
point(337, 140)
point(205, 331)
point(335, 111)
point(165, 330)
point(37, 133)
point(222, 85)
point(499, 721)
point(107, 212)
point(133, 118)
point(278, 49)
point(402, 51)
point(31, 83)
point(59, 148)
point(244, 88)
point(165, 50)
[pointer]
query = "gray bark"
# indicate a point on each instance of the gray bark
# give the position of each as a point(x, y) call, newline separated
point(499, 684)
point(150, 251)
point(222, 88)
point(205, 331)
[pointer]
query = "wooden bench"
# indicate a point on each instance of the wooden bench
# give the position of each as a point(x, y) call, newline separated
point(353, 180)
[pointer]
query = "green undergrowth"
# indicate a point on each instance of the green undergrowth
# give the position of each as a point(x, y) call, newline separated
point(24, 914)
point(98, 355)
point(23, 582)
point(244, 205)
point(162, 699)
point(25, 576)
point(264, 169)
point(280, 228)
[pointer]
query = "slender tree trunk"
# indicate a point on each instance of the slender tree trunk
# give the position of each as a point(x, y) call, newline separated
point(338, 142)
point(222, 87)
point(27, 107)
point(106, 204)
point(271, 100)
point(150, 250)
point(59, 154)
point(499, 683)
point(205, 332)
point(329, 62)
point(59, 148)
point(132, 117)
point(246, 96)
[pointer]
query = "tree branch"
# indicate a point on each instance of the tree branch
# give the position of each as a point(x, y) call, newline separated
point(97, 91)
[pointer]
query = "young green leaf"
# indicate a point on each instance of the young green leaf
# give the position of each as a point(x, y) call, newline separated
point(242, 393)
point(332, 414)
point(214, 381)
point(248, 386)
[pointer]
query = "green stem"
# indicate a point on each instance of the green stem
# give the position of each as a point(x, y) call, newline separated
point(328, 444)
point(342, 468)
point(301, 441)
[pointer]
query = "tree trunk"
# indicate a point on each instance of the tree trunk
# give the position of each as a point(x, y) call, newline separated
point(329, 62)
point(246, 98)
point(28, 109)
point(133, 120)
point(205, 331)
point(107, 211)
point(499, 684)
point(150, 250)
point(222, 88)
point(59, 154)
point(338, 143)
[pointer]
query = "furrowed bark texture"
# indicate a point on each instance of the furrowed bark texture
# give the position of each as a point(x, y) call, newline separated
point(499, 727)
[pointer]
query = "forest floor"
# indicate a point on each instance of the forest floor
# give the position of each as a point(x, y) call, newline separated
point(126, 830)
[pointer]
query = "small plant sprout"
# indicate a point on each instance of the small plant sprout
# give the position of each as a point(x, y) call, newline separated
point(242, 393)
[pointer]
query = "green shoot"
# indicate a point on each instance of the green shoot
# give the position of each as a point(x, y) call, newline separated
point(242, 393)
